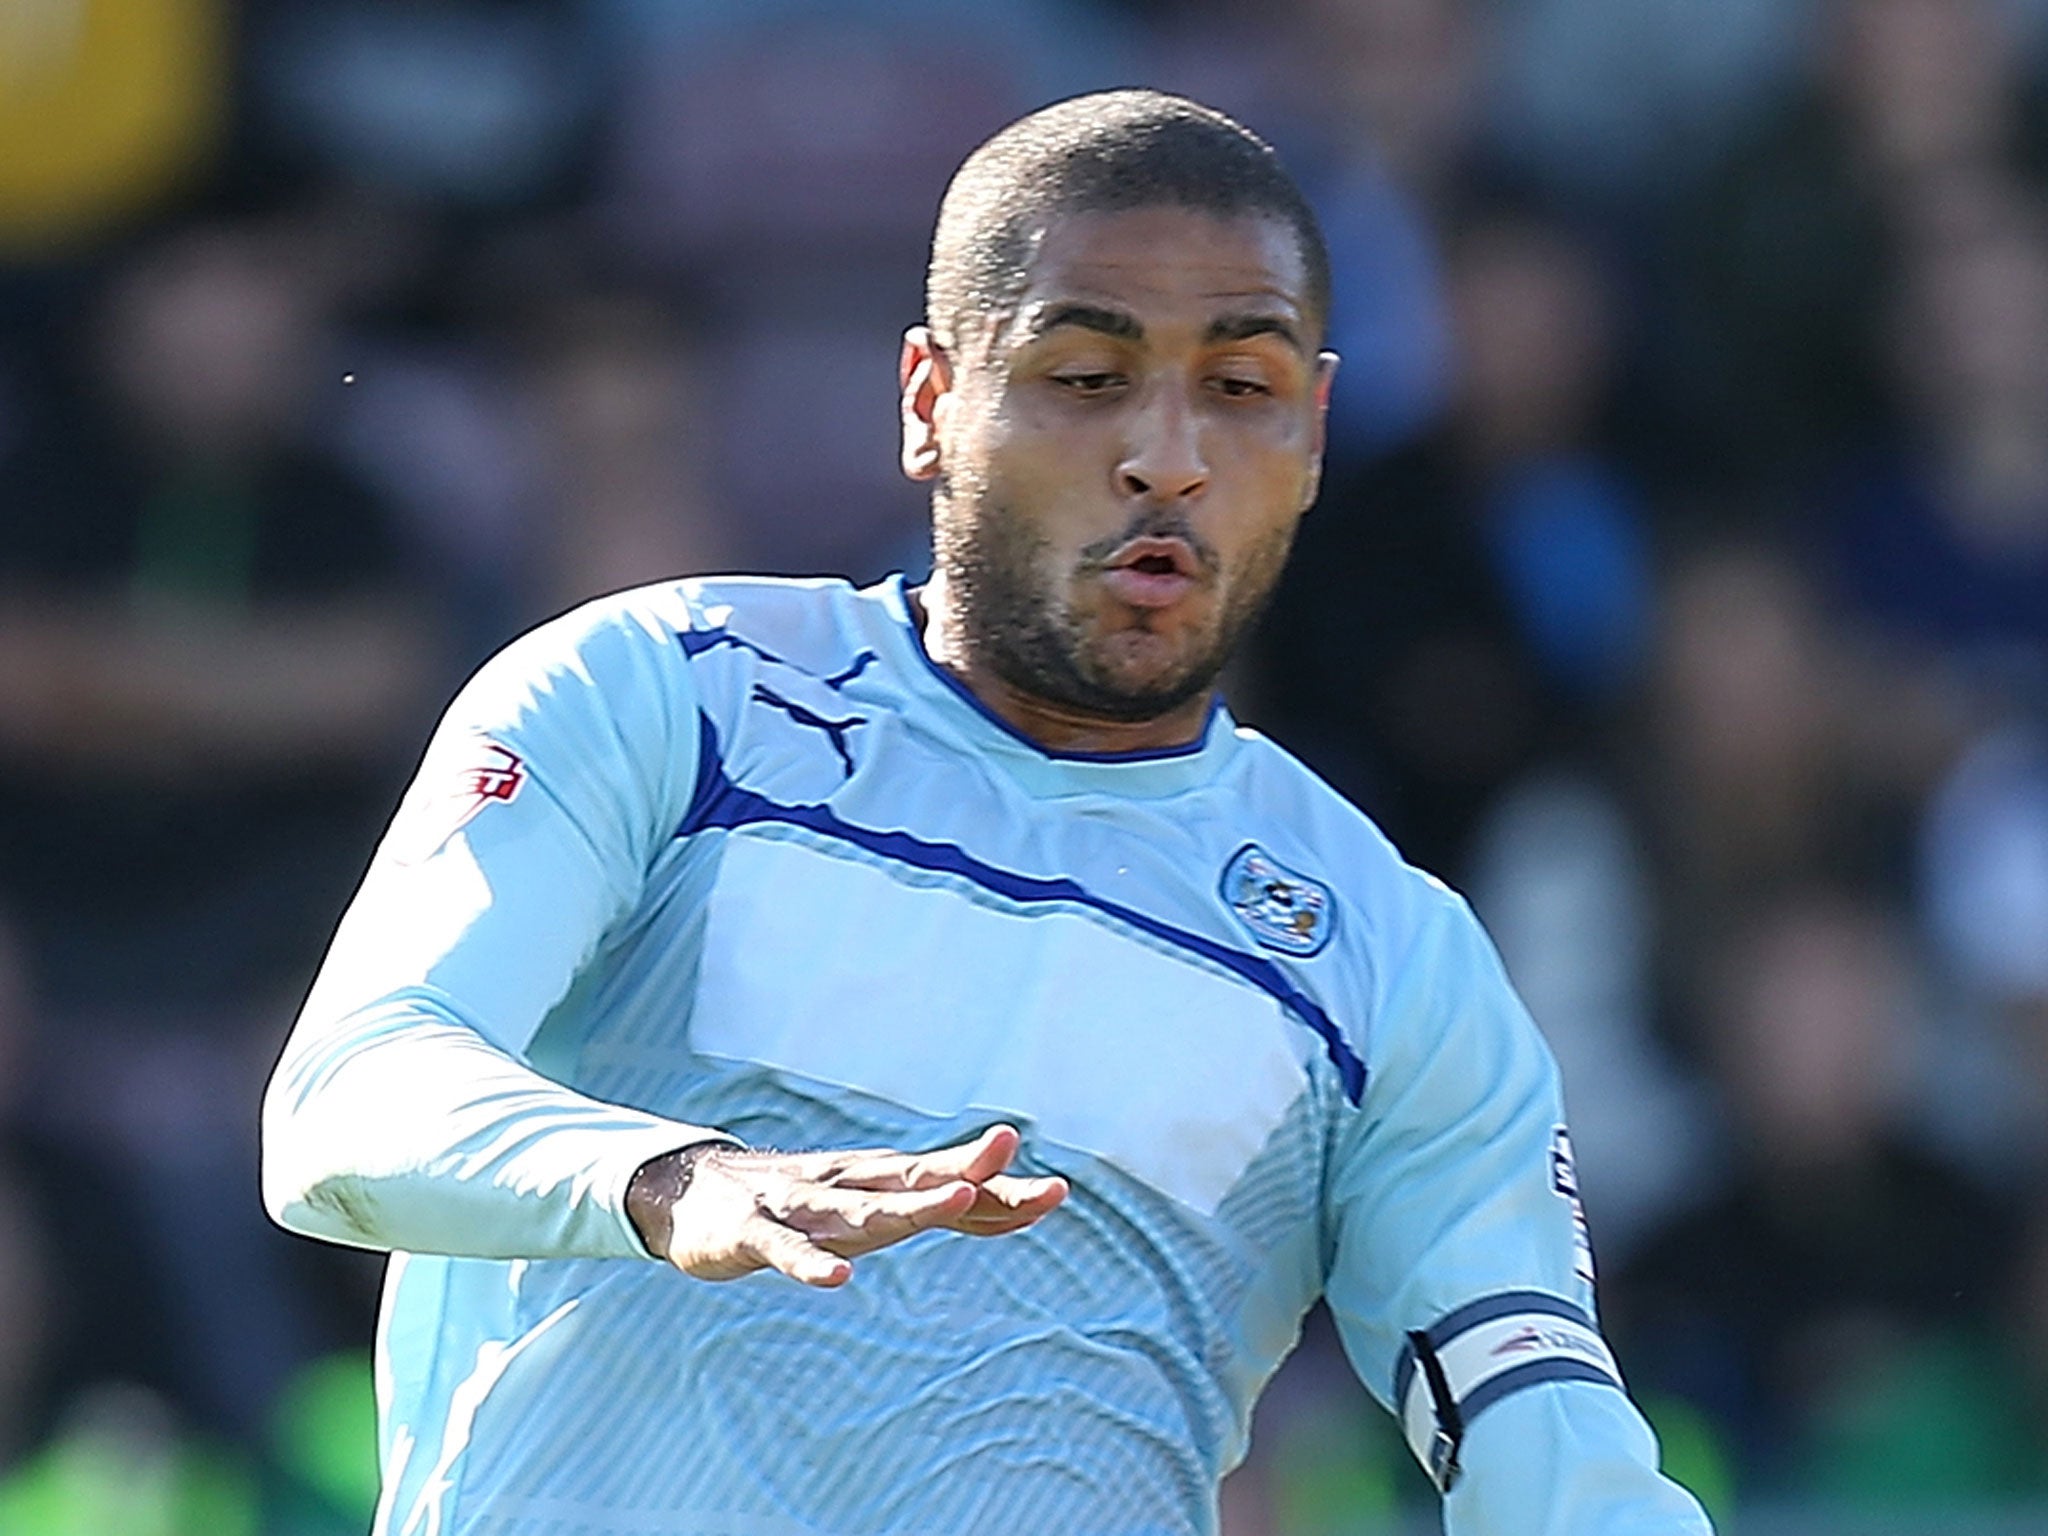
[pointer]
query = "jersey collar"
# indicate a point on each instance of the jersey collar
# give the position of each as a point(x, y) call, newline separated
point(1142, 775)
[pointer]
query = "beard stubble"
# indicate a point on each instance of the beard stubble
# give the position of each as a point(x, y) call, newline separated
point(1020, 625)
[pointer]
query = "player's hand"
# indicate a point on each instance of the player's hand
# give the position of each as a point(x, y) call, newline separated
point(807, 1214)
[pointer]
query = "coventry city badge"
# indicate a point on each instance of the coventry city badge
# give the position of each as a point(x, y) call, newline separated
point(1281, 909)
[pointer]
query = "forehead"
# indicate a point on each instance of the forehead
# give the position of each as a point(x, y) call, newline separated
point(1166, 262)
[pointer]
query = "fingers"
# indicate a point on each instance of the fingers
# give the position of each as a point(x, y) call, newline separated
point(790, 1252)
point(980, 1159)
point(851, 1222)
point(1008, 1204)
point(975, 1161)
point(806, 1216)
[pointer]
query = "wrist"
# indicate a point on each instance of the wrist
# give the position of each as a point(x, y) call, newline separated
point(658, 1183)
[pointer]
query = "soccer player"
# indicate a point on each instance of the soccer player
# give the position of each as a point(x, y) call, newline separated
point(1103, 1038)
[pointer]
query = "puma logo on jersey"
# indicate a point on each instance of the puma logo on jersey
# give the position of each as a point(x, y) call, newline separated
point(835, 730)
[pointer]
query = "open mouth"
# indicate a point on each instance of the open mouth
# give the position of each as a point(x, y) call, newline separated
point(1157, 557)
point(1152, 572)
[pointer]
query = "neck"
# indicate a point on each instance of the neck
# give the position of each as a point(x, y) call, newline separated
point(1054, 726)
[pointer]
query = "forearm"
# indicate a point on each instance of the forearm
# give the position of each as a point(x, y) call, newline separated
point(404, 1113)
point(399, 1126)
point(1565, 1459)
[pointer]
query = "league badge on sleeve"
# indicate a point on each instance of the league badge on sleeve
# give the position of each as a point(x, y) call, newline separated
point(458, 780)
point(1281, 909)
point(1564, 1183)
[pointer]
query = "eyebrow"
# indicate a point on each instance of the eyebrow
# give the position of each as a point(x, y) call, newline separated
point(1244, 327)
point(1125, 327)
point(1088, 317)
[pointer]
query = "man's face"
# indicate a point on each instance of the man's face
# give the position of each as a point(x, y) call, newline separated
point(1122, 459)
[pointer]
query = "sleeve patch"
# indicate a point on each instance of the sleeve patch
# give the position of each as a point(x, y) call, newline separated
point(458, 781)
point(1564, 1181)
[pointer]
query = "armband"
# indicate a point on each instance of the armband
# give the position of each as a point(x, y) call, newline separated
point(1452, 1371)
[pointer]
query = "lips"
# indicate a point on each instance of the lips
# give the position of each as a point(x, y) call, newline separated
point(1152, 572)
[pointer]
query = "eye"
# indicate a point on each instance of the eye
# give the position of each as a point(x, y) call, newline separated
point(1240, 388)
point(1088, 383)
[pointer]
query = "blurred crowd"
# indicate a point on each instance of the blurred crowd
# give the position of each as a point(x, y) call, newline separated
point(1679, 590)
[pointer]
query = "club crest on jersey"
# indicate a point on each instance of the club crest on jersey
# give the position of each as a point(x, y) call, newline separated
point(456, 783)
point(1281, 909)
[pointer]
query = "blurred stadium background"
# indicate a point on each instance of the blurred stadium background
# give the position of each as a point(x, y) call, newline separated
point(1679, 590)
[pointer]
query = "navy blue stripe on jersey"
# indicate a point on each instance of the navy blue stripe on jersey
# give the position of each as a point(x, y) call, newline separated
point(860, 664)
point(696, 642)
point(1475, 1313)
point(1534, 1374)
point(719, 803)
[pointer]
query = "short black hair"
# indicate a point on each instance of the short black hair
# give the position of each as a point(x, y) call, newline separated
point(1104, 153)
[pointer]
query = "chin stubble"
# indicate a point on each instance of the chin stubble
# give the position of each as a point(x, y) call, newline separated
point(1023, 631)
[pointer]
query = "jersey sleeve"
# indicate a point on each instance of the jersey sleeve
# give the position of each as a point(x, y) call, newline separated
point(1460, 1275)
point(406, 1111)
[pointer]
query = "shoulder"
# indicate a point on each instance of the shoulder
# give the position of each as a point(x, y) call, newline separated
point(816, 625)
point(609, 646)
point(631, 637)
point(1407, 960)
point(606, 706)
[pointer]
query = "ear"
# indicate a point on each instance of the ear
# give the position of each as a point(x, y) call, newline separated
point(1326, 376)
point(925, 375)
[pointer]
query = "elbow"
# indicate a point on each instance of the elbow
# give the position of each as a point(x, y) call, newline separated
point(303, 1191)
point(288, 1183)
point(282, 1190)
point(334, 1205)
point(337, 1208)
point(280, 1199)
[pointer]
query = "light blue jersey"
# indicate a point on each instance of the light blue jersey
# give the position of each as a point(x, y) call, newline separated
point(736, 854)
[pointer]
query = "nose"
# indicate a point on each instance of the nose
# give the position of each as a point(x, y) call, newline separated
point(1163, 459)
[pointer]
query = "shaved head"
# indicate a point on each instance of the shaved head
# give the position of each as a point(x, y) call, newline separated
point(1106, 153)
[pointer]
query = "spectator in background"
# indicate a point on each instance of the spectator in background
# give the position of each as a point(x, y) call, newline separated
point(1393, 82)
point(623, 443)
point(473, 108)
point(1537, 321)
point(552, 446)
point(1611, 871)
point(1834, 1308)
point(1781, 261)
point(1983, 893)
point(1563, 883)
point(1938, 539)
point(207, 631)
point(207, 637)
point(1611, 107)
point(1758, 774)
point(1394, 85)
point(1936, 546)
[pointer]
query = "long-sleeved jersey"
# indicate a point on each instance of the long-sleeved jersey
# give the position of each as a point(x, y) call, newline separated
point(738, 855)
